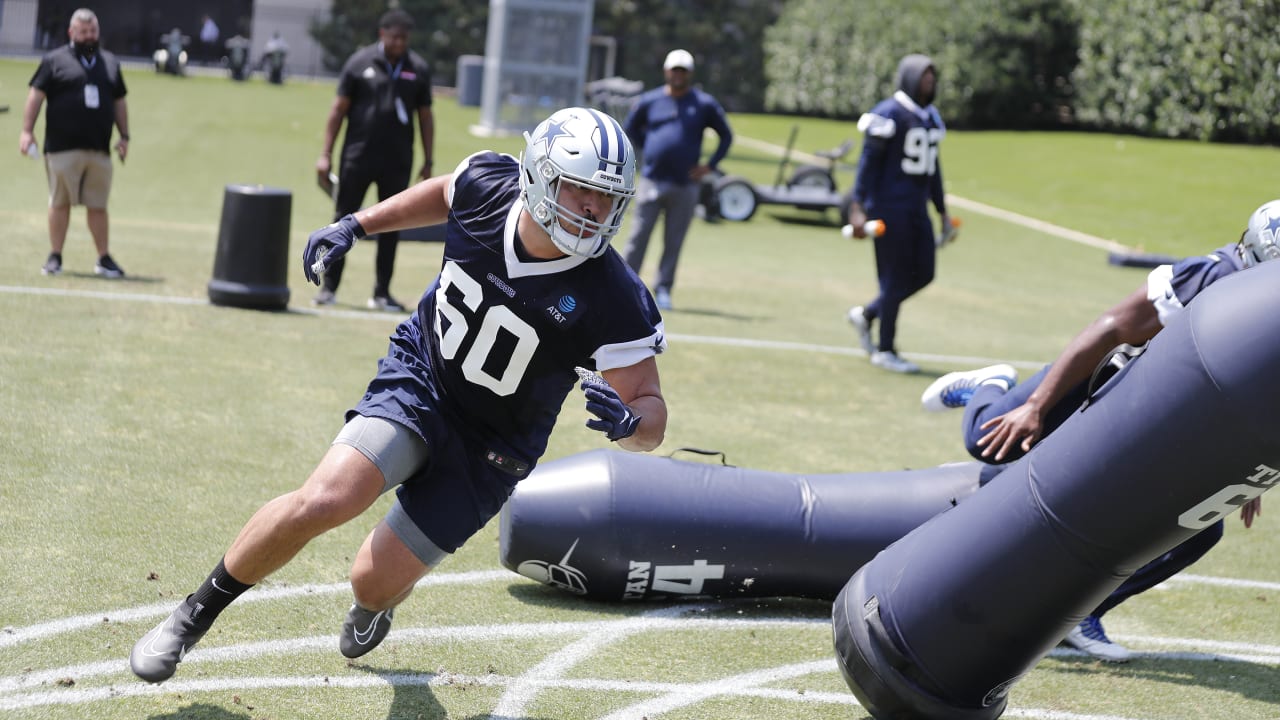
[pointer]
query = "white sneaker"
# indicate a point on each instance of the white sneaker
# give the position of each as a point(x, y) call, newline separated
point(890, 361)
point(953, 390)
point(862, 326)
point(385, 303)
point(1089, 638)
point(662, 298)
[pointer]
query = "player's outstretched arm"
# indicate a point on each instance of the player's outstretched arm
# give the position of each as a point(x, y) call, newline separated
point(1133, 320)
point(639, 387)
point(424, 203)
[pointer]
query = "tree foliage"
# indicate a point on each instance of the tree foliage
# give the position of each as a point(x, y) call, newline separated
point(1204, 69)
point(443, 30)
point(725, 36)
point(1001, 63)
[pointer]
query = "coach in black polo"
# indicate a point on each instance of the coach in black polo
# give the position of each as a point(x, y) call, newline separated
point(381, 88)
point(85, 92)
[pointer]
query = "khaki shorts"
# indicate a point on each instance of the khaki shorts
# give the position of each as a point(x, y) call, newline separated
point(78, 177)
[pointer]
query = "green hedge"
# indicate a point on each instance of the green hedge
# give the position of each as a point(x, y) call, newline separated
point(1204, 69)
point(1001, 63)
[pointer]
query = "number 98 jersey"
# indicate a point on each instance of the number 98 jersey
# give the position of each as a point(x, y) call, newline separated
point(496, 337)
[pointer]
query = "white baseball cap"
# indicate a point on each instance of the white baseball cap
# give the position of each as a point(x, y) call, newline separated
point(678, 59)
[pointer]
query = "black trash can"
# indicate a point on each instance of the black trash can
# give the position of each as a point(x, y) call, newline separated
point(251, 266)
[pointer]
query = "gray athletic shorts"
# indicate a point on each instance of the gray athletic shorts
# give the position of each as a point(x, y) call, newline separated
point(399, 453)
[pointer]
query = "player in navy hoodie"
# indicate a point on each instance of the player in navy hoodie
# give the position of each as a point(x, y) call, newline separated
point(898, 175)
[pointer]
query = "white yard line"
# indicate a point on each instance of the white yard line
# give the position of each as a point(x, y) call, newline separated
point(16, 636)
point(957, 360)
point(972, 206)
point(31, 689)
point(515, 702)
point(27, 690)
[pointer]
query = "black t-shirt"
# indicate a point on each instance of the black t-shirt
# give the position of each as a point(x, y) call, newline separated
point(81, 100)
point(385, 99)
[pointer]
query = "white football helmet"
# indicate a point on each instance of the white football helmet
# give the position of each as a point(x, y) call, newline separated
point(587, 148)
point(1261, 240)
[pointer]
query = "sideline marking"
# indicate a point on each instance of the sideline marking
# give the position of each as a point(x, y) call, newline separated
point(548, 674)
point(959, 360)
point(524, 689)
point(1008, 216)
point(410, 635)
point(694, 693)
point(974, 206)
point(40, 219)
point(16, 636)
point(677, 694)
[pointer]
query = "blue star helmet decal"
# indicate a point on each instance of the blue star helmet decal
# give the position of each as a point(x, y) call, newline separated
point(1273, 225)
point(1261, 239)
point(554, 131)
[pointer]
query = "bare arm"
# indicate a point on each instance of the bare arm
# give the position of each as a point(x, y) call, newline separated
point(30, 111)
point(1133, 320)
point(427, 129)
point(424, 203)
point(122, 123)
point(332, 124)
point(638, 386)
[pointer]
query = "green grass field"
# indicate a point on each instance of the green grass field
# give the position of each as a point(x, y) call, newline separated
point(142, 426)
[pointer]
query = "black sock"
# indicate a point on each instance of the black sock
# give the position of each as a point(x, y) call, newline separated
point(215, 594)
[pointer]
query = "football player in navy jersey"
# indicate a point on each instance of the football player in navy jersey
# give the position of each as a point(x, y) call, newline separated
point(464, 400)
point(898, 175)
point(1003, 420)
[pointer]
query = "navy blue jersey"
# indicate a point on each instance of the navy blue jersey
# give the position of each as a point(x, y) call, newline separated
point(899, 168)
point(1171, 287)
point(668, 133)
point(496, 337)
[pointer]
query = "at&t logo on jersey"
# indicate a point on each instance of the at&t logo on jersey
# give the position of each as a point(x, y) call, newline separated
point(562, 311)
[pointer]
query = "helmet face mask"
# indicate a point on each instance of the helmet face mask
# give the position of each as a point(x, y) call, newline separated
point(582, 148)
point(1261, 239)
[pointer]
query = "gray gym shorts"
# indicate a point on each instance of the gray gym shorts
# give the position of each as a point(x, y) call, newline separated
point(398, 452)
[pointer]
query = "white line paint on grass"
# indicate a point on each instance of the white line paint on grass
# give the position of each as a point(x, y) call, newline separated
point(973, 206)
point(458, 633)
point(15, 636)
point(589, 637)
point(445, 680)
point(514, 703)
point(1040, 226)
point(694, 693)
point(959, 360)
point(1190, 579)
point(40, 219)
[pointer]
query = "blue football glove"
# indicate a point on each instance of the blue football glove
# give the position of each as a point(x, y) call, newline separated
point(616, 419)
point(328, 244)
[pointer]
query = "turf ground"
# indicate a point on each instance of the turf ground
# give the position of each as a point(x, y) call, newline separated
point(141, 426)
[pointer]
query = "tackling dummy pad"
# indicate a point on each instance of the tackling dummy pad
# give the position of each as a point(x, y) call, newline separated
point(944, 621)
point(614, 525)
